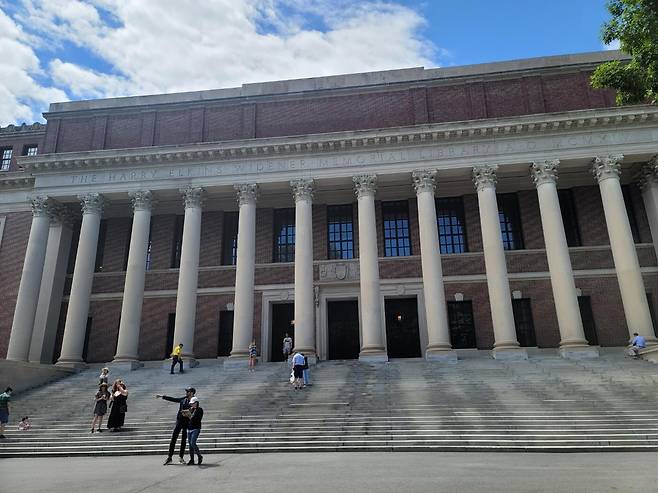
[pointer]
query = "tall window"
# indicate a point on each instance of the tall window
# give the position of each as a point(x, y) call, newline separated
point(452, 230)
point(100, 249)
point(340, 232)
point(510, 221)
point(30, 150)
point(396, 228)
point(284, 235)
point(5, 158)
point(569, 217)
point(630, 210)
point(230, 238)
point(177, 243)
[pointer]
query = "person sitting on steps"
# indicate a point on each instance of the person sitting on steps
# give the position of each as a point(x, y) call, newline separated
point(637, 344)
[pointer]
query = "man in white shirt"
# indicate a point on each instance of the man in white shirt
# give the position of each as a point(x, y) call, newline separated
point(637, 343)
point(298, 370)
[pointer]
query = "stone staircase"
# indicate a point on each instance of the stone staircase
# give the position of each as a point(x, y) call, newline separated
point(544, 404)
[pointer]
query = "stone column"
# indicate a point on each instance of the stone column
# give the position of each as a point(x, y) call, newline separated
point(83, 278)
point(127, 354)
point(188, 274)
point(572, 336)
point(633, 295)
point(506, 345)
point(304, 302)
point(51, 292)
point(243, 310)
point(649, 186)
point(28, 289)
point(438, 330)
point(372, 317)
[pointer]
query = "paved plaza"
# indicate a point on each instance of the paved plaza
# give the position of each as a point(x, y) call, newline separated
point(342, 472)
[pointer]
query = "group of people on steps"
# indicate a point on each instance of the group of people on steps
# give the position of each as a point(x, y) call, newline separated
point(116, 400)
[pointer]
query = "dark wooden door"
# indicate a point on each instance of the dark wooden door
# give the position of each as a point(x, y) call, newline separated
point(343, 329)
point(283, 315)
point(462, 326)
point(402, 335)
point(225, 343)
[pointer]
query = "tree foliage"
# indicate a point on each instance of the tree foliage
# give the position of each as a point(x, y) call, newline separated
point(634, 24)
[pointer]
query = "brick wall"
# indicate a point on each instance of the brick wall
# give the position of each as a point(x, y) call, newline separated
point(18, 141)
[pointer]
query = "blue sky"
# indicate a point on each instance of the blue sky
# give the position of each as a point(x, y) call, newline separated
point(58, 50)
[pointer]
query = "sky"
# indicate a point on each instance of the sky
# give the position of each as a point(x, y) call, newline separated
point(65, 50)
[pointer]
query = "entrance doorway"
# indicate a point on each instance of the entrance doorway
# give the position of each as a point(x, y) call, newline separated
point(525, 326)
point(462, 327)
point(169, 343)
point(587, 316)
point(402, 334)
point(225, 343)
point(343, 329)
point(283, 315)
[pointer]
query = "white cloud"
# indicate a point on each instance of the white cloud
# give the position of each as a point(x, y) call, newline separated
point(152, 46)
point(614, 45)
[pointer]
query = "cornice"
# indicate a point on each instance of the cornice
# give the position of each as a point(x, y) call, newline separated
point(532, 125)
point(16, 180)
point(24, 129)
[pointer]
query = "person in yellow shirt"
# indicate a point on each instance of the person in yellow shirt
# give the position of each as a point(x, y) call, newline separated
point(176, 358)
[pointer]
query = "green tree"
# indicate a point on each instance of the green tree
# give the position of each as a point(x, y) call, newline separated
point(634, 24)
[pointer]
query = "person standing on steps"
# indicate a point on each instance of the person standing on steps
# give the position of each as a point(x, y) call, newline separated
point(5, 397)
point(287, 347)
point(103, 377)
point(119, 399)
point(182, 422)
point(298, 370)
point(193, 430)
point(306, 372)
point(102, 396)
point(176, 359)
point(253, 354)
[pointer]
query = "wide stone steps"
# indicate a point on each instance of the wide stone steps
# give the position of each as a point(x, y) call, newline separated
point(543, 404)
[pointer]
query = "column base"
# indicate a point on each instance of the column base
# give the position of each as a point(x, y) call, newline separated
point(509, 354)
point(76, 364)
point(579, 352)
point(447, 355)
point(373, 356)
point(125, 364)
point(233, 362)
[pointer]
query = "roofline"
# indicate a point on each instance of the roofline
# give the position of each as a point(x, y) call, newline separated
point(344, 81)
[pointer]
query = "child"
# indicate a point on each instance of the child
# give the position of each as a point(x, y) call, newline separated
point(102, 378)
point(100, 408)
point(253, 354)
point(24, 424)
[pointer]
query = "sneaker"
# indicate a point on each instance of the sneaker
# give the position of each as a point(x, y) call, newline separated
point(167, 461)
point(200, 459)
point(181, 460)
point(99, 430)
point(190, 462)
point(92, 430)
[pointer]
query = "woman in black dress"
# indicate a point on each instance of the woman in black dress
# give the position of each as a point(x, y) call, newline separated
point(118, 403)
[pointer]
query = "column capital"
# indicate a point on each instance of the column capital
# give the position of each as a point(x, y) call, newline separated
point(192, 196)
point(40, 205)
point(60, 214)
point(484, 177)
point(607, 167)
point(544, 171)
point(649, 173)
point(142, 200)
point(92, 203)
point(424, 180)
point(302, 188)
point(364, 185)
point(247, 193)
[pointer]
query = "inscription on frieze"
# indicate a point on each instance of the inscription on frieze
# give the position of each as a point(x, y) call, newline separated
point(339, 271)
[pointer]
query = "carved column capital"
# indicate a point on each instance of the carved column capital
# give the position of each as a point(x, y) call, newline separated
point(302, 188)
point(607, 167)
point(649, 173)
point(484, 177)
point(142, 200)
point(192, 196)
point(424, 180)
point(247, 193)
point(92, 203)
point(40, 205)
point(544, 171)
point(365, 185)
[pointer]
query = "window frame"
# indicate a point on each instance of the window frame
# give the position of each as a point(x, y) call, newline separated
point(509, 220)
point(229, 239)
point(455, 206)
point(344, 221)
point(28, 147)
point(397, 210)
point(631, 213)
point(283, 252)
point(5, 162)
point(177, 241)
point(569, 217)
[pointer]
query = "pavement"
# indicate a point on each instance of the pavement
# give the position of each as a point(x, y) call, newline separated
point(378, 472)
